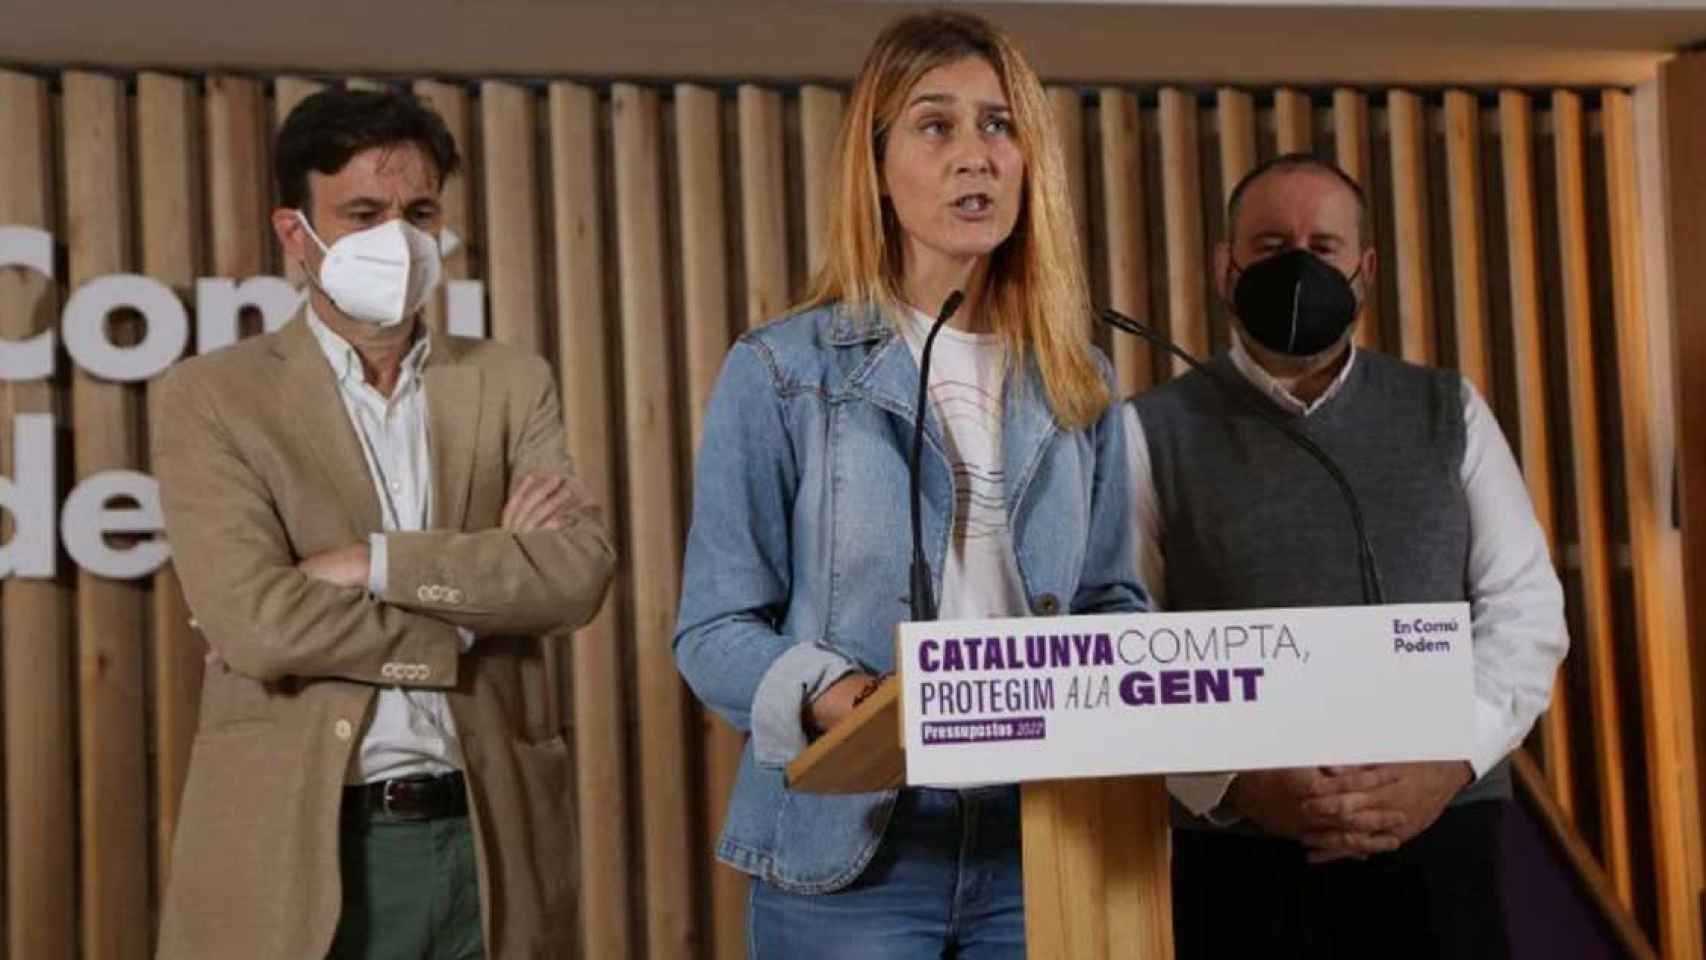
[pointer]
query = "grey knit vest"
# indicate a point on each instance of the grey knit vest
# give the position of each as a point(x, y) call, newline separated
point(1250, 520)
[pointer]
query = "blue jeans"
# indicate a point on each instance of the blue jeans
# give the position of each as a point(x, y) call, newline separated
point(946, 882)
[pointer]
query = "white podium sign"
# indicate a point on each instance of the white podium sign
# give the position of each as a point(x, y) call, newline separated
point(1111, 695)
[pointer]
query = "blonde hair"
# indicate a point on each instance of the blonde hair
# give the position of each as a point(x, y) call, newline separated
point(1036, 296)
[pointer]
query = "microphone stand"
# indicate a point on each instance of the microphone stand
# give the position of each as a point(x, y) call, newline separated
point(923, 600)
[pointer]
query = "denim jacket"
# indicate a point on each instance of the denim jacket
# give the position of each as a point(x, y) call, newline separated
point(801, 535)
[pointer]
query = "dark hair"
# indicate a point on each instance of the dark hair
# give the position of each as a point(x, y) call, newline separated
point(1300, 161)
point(328, 128)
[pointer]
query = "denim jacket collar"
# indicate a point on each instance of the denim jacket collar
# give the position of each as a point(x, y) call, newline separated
point(888, 377)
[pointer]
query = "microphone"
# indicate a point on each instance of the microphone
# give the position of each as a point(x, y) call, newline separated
point(1372, 590)
point(923, 603)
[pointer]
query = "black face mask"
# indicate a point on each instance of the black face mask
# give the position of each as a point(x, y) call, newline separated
point(1295, 303)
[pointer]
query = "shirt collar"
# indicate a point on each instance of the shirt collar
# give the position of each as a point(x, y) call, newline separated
point(1271, 388)
point(346, 363)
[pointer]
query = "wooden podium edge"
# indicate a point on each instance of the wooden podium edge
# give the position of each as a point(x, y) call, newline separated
point(862, 754)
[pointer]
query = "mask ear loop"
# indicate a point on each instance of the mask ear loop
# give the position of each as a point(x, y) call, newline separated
point(310, 276)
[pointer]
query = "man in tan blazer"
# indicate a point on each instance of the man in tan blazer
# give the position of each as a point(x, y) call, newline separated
point(375, 525)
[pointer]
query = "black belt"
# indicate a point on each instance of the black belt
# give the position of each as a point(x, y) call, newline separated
point(409, 798)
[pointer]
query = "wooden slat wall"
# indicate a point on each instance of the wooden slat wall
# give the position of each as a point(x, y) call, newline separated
point(1406, 115)
point(653, 547)
point(584, 322)
point(111, 615)
point(1351, 152)
point(629, 233)
point(35, 615)
point(1126, 241)
point(167, 155)
point(1596, 640)
point(706, 316)
point(1655, 548)
point(1531, 438)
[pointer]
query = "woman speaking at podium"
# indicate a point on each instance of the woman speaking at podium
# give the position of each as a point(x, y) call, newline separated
point(948, 181)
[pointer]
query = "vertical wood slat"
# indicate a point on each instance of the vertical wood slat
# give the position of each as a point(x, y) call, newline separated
point(509, 123)
point(705, 300)
point(1127, 239)
point(1418, 342)
point(704, 231)
point(1528, 364)
point(1657, 211)
point(1587, 461)
point(168, 198)
point(38, 652)
point(112, 750)
point(1293, 121)
point(821, 109)
point(1068, 109)
point(237, 177)
point(1660, 635)
point(1351, 151)
point(1187, 311)
point(450, 101)
point(654, 528)
point(1469, 274)
point(764, 210)
point(1682, 139)
point(510, 181)
point(584, 321)
point(1235, 122)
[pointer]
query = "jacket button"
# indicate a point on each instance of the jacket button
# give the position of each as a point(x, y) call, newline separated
point(343, 729)
point(1047, 605)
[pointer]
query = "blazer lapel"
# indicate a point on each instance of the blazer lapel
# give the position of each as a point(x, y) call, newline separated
point(322, 424)
point(453, 430)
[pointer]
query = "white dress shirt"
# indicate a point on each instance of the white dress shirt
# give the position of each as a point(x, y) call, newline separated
point(1516, 602)
point(409, 732)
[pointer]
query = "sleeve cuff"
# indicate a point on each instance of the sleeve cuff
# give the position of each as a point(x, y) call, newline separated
point(1492, 741)
point(378, 566)
point(1204, 795)
point(795, 677)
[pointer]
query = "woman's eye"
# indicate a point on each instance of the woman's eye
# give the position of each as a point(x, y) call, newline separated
point(999, 126)
point(934, 128)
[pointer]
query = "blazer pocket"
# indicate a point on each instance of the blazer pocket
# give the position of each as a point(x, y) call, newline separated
point(232, 704)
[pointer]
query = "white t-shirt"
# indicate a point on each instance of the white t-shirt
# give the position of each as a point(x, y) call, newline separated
point(980, 578)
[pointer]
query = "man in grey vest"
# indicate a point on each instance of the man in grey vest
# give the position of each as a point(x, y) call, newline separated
point(1390, 860)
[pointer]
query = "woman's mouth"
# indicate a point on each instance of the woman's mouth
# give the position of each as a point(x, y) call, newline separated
point(974, 205)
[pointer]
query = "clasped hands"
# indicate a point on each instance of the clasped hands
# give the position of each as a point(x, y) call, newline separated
point(1342, 812)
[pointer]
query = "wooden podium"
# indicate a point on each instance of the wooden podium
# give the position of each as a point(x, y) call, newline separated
point(1096, 851)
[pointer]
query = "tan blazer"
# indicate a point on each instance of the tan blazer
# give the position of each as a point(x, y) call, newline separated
point(259, 468)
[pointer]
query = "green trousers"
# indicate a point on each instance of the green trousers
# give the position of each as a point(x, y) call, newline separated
point(411, 890)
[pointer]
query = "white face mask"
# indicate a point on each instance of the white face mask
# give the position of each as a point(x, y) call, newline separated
point(380, 275)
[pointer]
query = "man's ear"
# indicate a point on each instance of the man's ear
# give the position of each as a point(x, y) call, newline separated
point(1223, 271)
point(292, 236)
point(1370, 265)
